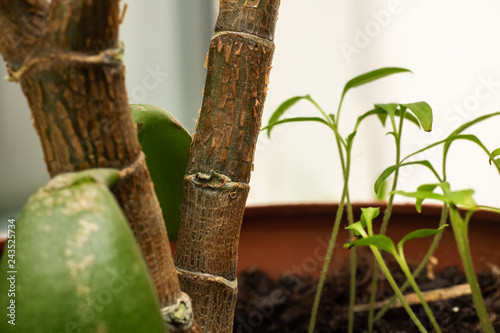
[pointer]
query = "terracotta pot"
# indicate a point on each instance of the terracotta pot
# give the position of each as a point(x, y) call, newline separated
point(294, 238)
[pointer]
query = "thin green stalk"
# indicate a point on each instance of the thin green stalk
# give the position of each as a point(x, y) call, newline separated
point(328, 258)
point(340, 106)
point(346, 164)
point(432, 248)
point(350, 215)
point(492, 209)
point(352, 259)
point(388, 210)
point(342, 161)
point(395, 287)
point(328, 119)
point(406, 270)
point(352, 256)
point(352, 290)
point(373, 297)
point(460, 231)
point(385, 221)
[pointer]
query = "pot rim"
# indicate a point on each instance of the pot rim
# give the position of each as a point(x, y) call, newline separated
point(319, 209)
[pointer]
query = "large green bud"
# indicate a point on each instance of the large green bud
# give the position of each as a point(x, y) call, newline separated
point(165, 143)
point(77, 267)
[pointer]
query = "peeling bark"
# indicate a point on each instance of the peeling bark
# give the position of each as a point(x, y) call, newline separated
point(221, 158)
point(69, 66)
point(22, 24)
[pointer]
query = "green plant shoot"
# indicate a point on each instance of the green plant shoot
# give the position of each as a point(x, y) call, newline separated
point(382, 242)
point(418, 113)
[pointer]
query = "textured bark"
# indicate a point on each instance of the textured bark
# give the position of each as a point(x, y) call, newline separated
point(221, 158)
point(72, 75)
point(22, 23)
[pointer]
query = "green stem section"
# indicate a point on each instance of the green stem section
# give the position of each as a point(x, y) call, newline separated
point(460, 231)
point(397, 137)
point(352, 258)
point(395, 287)
point(406, 270)
point(387, 216)
point(345, 164)
point(345, 197)
point(432, 248)
point(328, 258)
point(352, 290)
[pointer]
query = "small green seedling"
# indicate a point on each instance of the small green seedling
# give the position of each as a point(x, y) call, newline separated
point(382, 242)
point(396, 114)
point(418, 113)
point(452, 200)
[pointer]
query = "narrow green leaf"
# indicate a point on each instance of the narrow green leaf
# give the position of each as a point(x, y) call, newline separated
point(426, 191)
point(494, 154)
point(469, 137)
point(382, 113)
point(427, 187)
point(350, 139)
point(367, 216)
point(357, 228)
point(380, 241)
point(497, 163)
point(371, 76)
point(392, 133)
point(382, 191)
point(424, 149)
point(379, 112)
point(382, 116)
point(461, 128)
point(296, 119)
point(387, 172)
point(468, 124)
point(316, 105)
point(454, 133)
point(423, 195)
point(462, 198)
point(424, 188)
point(408, 116)
point(421, 233)
point(445, 186)
point(390, 108)
point(423, 112)
point(383, 176)
point(281, 110)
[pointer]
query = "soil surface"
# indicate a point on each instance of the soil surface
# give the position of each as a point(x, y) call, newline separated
point(284, 305)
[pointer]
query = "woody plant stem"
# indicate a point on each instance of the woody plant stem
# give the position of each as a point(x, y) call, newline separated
point(67, 57)
point(221, 157)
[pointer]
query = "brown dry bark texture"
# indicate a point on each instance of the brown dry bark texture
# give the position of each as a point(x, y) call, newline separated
point(67, 58)
point(23, 22)
point(221, 158)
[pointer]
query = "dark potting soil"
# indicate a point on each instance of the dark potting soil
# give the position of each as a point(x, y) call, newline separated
point(284, 305)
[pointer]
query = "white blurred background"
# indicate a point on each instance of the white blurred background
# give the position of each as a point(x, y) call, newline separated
point(452, 47)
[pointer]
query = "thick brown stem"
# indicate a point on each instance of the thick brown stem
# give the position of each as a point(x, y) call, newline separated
point(75, 85)
point(221, 158)
point(22, 22)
